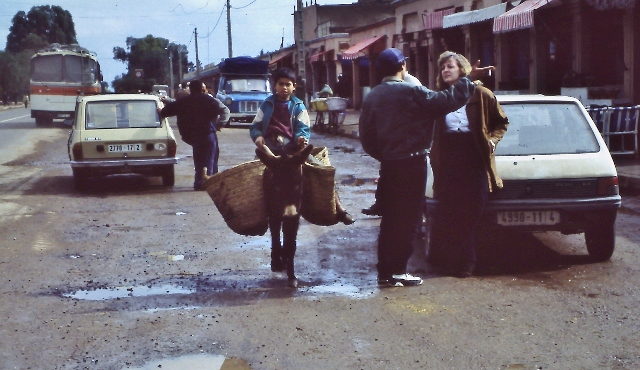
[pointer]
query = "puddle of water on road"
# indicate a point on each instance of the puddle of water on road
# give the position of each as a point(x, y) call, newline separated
point(348, 290)
point(257, 243)
point(154, 310)
point(124, 292)
point(196, 362)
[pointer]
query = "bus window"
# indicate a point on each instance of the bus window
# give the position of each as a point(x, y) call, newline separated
point(47, 68)
point(79, 69)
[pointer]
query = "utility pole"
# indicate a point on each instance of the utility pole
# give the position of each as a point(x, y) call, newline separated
point(171, 93)
point(195, 31)
point(180, 67)
point(299, 39)
point(229, 28)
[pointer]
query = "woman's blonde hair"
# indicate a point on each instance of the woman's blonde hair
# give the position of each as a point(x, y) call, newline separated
point(463, 64)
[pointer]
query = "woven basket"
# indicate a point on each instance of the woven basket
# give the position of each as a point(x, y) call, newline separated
point(318, 201)
point(322, 154)
point(237, 193)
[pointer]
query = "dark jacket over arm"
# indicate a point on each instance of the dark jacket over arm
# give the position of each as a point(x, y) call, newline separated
point(198, 115)
point(397, 117)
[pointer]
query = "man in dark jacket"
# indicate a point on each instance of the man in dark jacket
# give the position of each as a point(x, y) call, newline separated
point(199, 117)
point(396, 124)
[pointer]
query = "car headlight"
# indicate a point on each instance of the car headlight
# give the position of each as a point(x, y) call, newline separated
point(228, 101)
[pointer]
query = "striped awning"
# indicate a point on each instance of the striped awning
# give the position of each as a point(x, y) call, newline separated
point(519, 17)
point(279, 58)
point(321, 55)
point(473, 16)
point(354, 51)
point(434, 19)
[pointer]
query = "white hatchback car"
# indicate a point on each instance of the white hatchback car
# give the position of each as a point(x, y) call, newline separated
point(121, 133)
point(558, 174)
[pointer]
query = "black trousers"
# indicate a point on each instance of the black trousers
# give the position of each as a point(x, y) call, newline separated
point(461, 200)
point(401, 196)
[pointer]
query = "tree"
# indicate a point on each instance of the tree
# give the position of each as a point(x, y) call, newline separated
point(151, 54)
point(30, 32)
point(42, 25)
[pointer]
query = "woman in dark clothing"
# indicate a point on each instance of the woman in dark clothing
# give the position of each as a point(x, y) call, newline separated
point(463, 163)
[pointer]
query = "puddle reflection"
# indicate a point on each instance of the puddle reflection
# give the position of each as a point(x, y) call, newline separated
point(195, 362)
point(124, 292)
point(347, 290)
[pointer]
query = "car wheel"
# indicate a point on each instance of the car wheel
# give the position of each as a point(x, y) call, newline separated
point(601, 241)
point(168, 176)
point(79, 180)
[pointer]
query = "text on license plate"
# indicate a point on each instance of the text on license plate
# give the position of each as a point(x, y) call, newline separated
point(124, 148)
point(528, 218)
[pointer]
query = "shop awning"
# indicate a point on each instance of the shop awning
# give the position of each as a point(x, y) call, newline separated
point(279, 58)
point(322, 55)
point(354, 51)
point(434, 19)
point(519, 17)
point(474, 16)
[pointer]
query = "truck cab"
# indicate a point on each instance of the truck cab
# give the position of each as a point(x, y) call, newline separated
point(244, 84)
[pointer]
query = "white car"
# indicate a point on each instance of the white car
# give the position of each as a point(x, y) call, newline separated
point(558, 174)
point(118, 134)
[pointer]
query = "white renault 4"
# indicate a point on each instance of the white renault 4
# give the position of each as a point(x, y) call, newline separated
point(558, 174)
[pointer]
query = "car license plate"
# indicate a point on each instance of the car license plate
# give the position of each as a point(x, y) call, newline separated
point(528, 218)
point(112, 148)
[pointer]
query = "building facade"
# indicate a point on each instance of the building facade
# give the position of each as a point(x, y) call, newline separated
point(583, 47)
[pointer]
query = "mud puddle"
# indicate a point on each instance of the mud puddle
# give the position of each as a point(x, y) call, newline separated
point(196, 362)
point(125, 292)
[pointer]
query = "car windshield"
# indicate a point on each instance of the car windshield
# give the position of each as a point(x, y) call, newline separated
point(246, 84)
point(121, 114)
point(546, 128)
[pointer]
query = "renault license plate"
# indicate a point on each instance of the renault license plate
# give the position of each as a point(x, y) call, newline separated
point(114, 148)
point(524, 218)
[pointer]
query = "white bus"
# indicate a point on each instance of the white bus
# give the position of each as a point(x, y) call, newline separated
point(59, 74)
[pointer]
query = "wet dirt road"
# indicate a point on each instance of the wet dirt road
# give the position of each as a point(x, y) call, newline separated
point(132, 275)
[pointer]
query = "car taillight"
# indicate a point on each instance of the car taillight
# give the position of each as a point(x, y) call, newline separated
point(608, 186)
point(77, 151)
point(172, 147)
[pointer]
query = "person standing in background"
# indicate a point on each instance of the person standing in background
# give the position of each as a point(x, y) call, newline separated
point(199, 116)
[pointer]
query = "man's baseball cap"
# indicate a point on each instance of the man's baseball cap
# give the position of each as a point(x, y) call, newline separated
point(390, 57)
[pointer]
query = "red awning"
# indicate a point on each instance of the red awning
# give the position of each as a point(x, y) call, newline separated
point(277, 59)
point(519, 17)
point(354, 51)
point(434, 19)
point(316, 57)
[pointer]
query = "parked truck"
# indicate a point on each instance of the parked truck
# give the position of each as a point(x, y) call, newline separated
point(243, 85)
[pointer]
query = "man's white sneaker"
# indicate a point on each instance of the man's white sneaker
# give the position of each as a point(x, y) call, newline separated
point(405, 280)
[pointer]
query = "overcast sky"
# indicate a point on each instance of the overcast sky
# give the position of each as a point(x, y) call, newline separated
point(103, 24)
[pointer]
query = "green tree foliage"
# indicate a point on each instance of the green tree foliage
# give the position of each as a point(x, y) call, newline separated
point(30, 32)
point(151, 54)
point(42, 25)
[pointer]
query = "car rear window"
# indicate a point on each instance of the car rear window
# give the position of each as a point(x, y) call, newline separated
point(121, 114)
point(546, 128)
